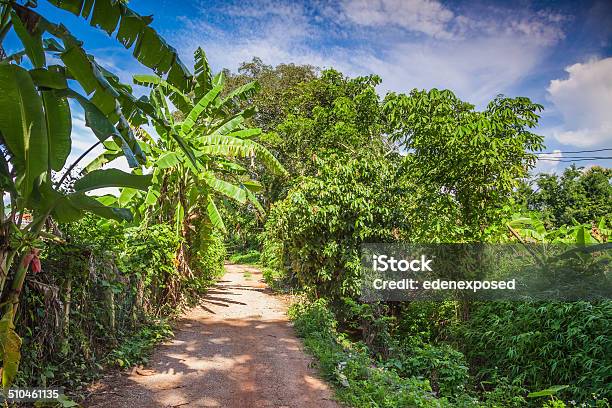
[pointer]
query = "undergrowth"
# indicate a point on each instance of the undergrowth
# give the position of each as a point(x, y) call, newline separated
point(406, 378)
point(247, 258)
point(136, 349)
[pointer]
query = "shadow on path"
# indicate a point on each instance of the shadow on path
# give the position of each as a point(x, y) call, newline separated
point(236, 349)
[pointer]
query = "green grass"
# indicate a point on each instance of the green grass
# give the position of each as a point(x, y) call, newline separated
point(249, 258)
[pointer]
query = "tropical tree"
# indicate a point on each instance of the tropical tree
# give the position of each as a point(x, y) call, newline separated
point(279, 85)
point(470, 160)
point(35, 131)
point(192, 160)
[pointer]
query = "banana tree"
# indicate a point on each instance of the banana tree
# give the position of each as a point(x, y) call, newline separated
point(192, 162)
point(36, 84)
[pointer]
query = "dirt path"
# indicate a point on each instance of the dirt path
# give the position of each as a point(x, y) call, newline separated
point(236, 350)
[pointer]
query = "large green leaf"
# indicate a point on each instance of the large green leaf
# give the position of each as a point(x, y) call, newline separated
point(49, 78)
point(246, 133)
point(150, 49)
point(229, 125)
point(178, 98)
point(197, 110)
point(130, 26)
point(214, 215)
point(126, 196)
point(106, 157)
point(112, 178)
point(74, 206)
point(59, 128)
point(32, 41)
point(80, 67)
point(22, 125)
point(202, 72)
point(167, 160)
point(73, 6)
point(102, 127)
point(10, 345)
point(548, 391)
point(225, 188)
point(232, 146)
point(105, 15)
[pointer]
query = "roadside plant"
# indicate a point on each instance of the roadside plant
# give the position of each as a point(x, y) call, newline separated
point(193, 160)
point(36, 84)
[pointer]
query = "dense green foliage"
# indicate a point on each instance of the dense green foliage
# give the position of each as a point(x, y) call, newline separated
point(542, 344)
point(333, 165)
point(360, 381)
point(316, 231)
point(96, 303)
point(460, 180)
point(577, 195)
point(103, 283)
point(474, 158)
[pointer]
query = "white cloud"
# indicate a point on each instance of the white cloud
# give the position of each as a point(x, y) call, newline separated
point(274, 31)
point(425, 16)
point(475, 69)
point(584, 99)
point(477, 55)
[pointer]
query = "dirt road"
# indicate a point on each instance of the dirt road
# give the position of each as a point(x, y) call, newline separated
point(236, 350)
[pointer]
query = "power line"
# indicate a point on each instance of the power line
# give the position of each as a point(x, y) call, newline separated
point(560, 160)
point(576, 151)
point(577, 157)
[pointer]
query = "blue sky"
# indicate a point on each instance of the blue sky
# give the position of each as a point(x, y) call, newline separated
point(557, 53)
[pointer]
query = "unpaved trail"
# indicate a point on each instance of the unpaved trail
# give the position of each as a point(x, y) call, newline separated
point(235, 350)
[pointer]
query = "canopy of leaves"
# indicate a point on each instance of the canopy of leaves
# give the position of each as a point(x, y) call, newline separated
point(476, 157)
point(578, 195)
point(318, 228)
point(278, 86)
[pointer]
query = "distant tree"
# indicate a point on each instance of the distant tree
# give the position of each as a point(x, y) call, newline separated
point(578, 195)
point(277, 86)
point(471, 159)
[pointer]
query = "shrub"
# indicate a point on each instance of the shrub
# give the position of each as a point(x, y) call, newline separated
point(207, 257)
point(542, 344)
point(316, 232)
point(149, 257)
point(445, 367)
point(83, 303)
point(359, 381)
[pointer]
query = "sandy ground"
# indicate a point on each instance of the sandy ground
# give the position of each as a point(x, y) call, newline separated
point(237, 349)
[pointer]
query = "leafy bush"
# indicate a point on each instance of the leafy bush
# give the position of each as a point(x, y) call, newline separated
point(542, 344)
point(207, 256)
point(149, 257)
point(136, 349)
point(386, 338)
point(91, 304)
point(445, 367)
point(359, 381)
point(317, 230)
